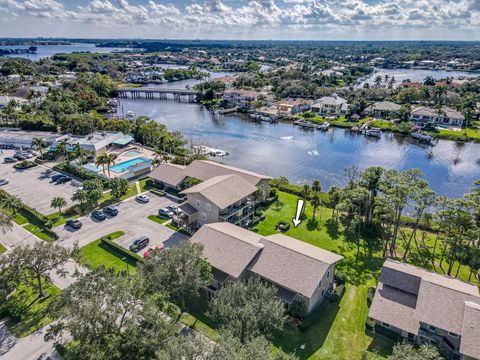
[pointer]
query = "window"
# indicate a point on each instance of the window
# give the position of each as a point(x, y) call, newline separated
point(328, 274)
point(197, 202)
point(320, 284)
point(209, 207)
point(323, 292)
point(203, 216)
point(386, 325)
point(452, 334)
point(431, 328)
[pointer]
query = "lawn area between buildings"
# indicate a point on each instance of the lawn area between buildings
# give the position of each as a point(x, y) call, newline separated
point(337, 330)
point(158, 220)
point(2, 249)
point(27, 312)
point(96, 254)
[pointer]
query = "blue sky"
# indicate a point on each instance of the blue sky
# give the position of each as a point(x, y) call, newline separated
point(243, 19)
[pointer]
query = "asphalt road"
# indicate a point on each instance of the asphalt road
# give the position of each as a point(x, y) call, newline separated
point(132, 218)
point(33, 186)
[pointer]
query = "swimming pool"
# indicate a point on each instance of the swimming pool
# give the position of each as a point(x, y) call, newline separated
point(123, 166)
point(132, 153)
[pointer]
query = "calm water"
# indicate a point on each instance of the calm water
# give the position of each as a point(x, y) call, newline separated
point(303, 156)
point(415, 75)
point(45, 51)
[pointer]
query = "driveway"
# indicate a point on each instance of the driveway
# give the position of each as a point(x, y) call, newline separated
point(34, 187)
point(132, 218)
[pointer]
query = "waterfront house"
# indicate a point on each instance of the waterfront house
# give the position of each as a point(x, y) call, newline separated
point(301, 272)
point(293, 106)
point(6, 100)
point(206, 169)
point(425, 307)
point(423, 116)
point(169, 176)
point(382, 110)
point(224, 198)
point(241, 98)
point(96, 142)
point(330, 105)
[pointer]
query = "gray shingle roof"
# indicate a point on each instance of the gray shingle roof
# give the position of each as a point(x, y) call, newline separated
point(471, 331)
point(170, 174)
point(385, 106)
point(204, 170)
point(223, 191)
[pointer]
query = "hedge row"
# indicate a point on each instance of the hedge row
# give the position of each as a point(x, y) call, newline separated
point(298, 190)
point(120, 249)
point(81, 173)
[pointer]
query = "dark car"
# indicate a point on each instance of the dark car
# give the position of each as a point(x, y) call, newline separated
point(110, 211)
point(63, 179)
point(9, 159)
point(98, 215)
point(74, 224)
point(139, 244)
point(57, 176)
point(165, 213)
point(173, 209)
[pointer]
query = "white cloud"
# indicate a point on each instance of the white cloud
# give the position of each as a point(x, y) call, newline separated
point(209, 15)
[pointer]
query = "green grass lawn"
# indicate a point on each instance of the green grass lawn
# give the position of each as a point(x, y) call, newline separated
point(157, 219)
point(2, 249)
point(107, 197)
point(60, 219)
point(27, 312)
point(96, 254)
point(39, 232)
point(143, 184)
point(337, 330)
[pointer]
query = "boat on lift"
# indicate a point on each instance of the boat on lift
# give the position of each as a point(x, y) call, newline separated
point(324, 126)
point(374, 132)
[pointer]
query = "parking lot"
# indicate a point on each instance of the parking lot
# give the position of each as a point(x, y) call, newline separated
point(132, 218)
point(33, 186)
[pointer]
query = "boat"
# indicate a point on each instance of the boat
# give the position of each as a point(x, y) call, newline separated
point(324, 126)
point(374, 132)
point(205, 150)
point(422, 137)
point(130, 115)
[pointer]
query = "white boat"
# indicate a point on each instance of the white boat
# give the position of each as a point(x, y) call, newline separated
point(374, 132)
point(324, 126)
point(130, 115)
point(205, 150)
point(423, 137)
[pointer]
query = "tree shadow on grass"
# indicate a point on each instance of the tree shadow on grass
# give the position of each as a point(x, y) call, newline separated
point(311, 333)
point(333, 229)
point(312, 224)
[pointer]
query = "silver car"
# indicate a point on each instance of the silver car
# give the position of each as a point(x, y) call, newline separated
point(3, 182)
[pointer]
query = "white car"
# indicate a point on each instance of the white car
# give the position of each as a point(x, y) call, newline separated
point(142, 198)
point(3, 182)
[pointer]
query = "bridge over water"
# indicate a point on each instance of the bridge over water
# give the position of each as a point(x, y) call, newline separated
point(155, 93)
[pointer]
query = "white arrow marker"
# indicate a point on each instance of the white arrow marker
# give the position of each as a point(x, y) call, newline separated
point(296, 220)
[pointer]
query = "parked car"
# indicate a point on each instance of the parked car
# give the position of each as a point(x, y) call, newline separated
point(63, 179)
point(142, 198)
point(74, 224)
point(158, 248)
point(139, 244)
point(3, 182)
point(9, 159)
point(57, 176)
point(20, 157)
point(98, 215)
point(165, 213)
point(173, 209)
point(110, 210)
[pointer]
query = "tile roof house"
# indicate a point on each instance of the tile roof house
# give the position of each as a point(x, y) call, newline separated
point(293, 106)
point(330, 105)
point(426, 307)
point(241, 98)
point(300, 271)
point(382, 110)
point(422, 116)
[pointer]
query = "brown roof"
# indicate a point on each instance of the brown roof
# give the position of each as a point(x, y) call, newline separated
point(205, 169)
point(287, 262)
point(407, 295)
point(470, 345)
point(427, 111)
point(227, 247)
point(223, 191)
point(283, 261)
point(170, 174)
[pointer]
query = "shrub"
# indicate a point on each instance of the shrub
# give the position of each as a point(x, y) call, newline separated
point(81, 173)
point(282, 226)
point(340, 278)
point(298, 309)
point(25, 164)
point(157, 192)
point(120, 249)
point(370, 295)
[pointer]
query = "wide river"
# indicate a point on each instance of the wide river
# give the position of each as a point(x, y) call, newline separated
point(304, 156)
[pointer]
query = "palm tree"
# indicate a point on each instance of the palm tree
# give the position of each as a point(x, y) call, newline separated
point(316, 203)
point(111, 160)
point(5, 222)
point(102, 160)
point(81, 196)
point(316, 188)
point(62, 149)
point(305, 194)
point(58, 202)
point(39, 144)
point(79, 153)
point(10, 202)
point(392, 82)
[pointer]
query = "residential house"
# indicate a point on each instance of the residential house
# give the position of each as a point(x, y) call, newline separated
point(423, 116)
point(301, 272)
point(330, 105)
point(425, 307)
point(6, 100)
point(241, 98)
point(96, 142)
point(227, 198)
point(293, 107)
point(383, 110)
point(169, 176)
point(206, 169)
